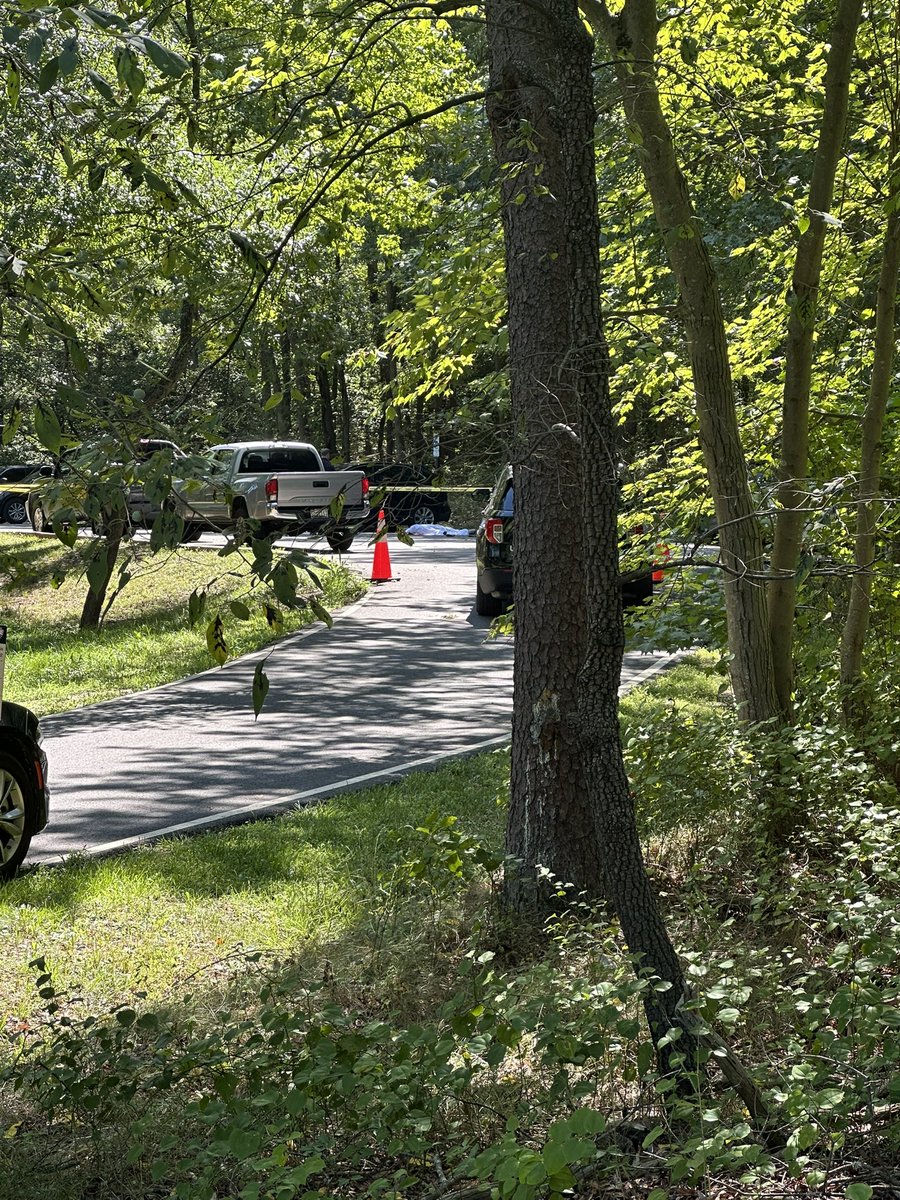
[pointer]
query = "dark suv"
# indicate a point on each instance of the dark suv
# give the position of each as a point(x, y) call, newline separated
point(493, 557)
point(405, 495)
point(23, 785)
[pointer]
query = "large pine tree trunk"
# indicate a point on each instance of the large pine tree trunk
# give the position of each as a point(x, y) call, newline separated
point(632, 39)
point(570, 806)
point(551, 822)
point(793, 490)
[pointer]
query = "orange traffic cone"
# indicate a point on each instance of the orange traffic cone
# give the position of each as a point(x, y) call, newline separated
point(381, 563)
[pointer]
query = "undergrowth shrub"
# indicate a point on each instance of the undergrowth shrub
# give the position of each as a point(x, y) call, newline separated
point(451, 1061)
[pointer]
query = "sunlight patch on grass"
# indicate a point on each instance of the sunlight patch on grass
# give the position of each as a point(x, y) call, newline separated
point(148, 919)
point(145, 641)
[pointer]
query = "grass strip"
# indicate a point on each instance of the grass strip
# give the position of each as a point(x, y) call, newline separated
point(146, 639)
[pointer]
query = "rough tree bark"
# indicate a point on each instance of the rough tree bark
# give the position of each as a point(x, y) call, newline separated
point(632, 40)
point(799, 348)
point(571, 811)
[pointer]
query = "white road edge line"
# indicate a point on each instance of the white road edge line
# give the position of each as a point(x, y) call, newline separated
point(294, 800)
point(299, 799)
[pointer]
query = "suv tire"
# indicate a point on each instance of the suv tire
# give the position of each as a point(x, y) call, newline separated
point(487, 605)
point(17, 813)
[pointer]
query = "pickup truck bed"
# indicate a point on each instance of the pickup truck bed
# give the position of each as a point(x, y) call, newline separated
point(282, 485)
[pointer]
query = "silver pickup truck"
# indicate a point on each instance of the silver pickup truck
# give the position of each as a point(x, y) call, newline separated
point(283, 485)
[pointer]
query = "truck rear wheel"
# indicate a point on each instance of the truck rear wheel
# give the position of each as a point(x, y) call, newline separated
point(340, 541)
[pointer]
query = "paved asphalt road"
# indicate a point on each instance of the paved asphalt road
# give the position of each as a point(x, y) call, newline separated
point(405, 677)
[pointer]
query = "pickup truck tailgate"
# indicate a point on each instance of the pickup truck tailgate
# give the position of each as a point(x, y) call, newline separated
point(299, 489)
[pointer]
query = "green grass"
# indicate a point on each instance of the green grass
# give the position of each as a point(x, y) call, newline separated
point(145, 640)
point(300, 884)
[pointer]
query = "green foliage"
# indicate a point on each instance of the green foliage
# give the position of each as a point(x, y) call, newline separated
point(427, 1047)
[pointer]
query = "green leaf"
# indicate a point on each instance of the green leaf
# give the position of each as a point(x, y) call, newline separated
point(97, 572)
point(196, 606)
point(240, 610)
point(803, 222)
point(164, 59)
point(274, 618)
point(102, 86)
point(336, 507)
point(65, 529)
point(215, 640)
point(321, 611)
point(47, 428)
point(260, 688)
point(249, 253)
point(68, 61)
point(655, 1133)
point(859, 1191)
point(13, 87)
point(48, 75)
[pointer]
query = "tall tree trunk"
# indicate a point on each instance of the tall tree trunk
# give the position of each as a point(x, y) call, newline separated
point(632, 40)
point(302, 384)
point(793, 488)
point(326, 407)
point(184, 356)
point(346, 414)
point(570, 807)
point(857, 621)
point(551, 822)
point(283, 411)
point(268, 367)
point(387, 368)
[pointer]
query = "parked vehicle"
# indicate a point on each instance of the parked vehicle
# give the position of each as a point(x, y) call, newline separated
point(283, 485)
point(56, 494)
point(142, 507)
point(493, 557)
point(24, 797)
point(402, 491)
point(14, 499)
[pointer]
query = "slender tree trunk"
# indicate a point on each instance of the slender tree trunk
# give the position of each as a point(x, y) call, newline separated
point(100, 572)
point(283, 411)
point(184, 356)
point(793, 488)
point(632, 39)
point(268, 368)
point(326, 406)
point(302, 384)
point(346, 414)
point(387, 368)
point(857, 621)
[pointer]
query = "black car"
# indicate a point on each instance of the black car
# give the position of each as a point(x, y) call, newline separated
point(493, 557)
point(24, 797)
point(14, 505)
point(402, 491)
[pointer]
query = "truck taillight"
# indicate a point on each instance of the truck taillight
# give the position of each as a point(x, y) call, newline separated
point(272, 491)
point(663, 554)
point(493, 531)
point(365, 487)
